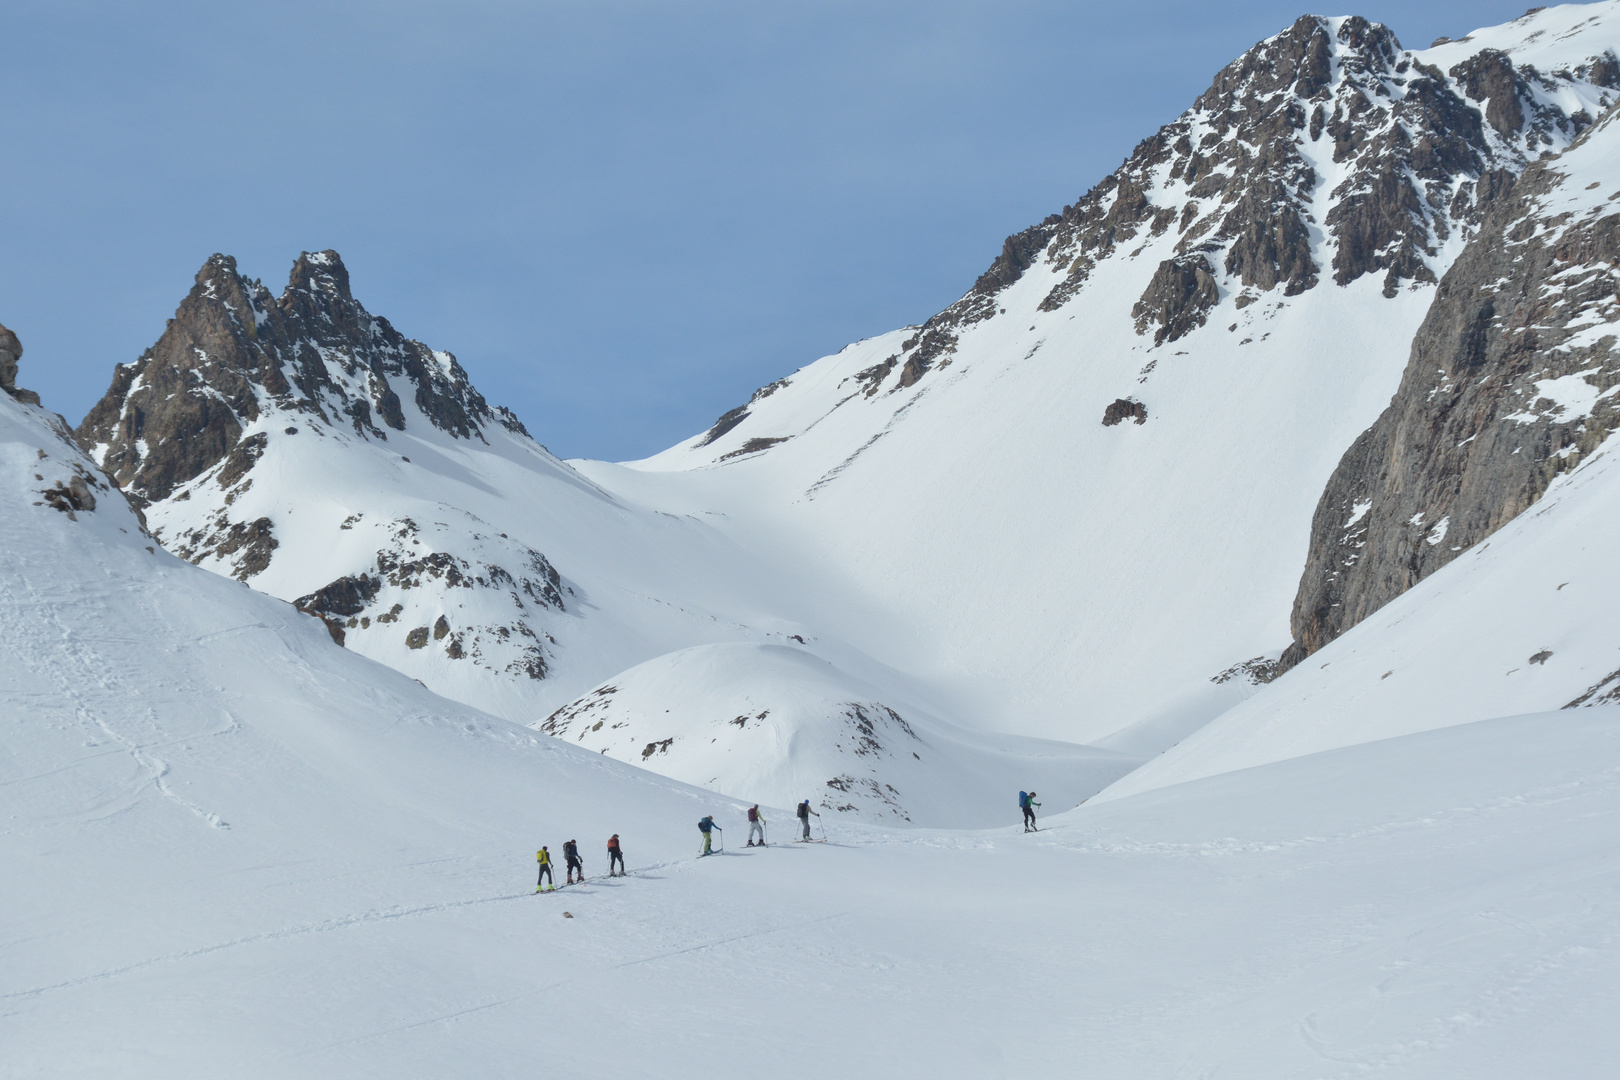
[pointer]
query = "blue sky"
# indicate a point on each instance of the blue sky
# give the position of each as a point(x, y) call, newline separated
point(622, 217)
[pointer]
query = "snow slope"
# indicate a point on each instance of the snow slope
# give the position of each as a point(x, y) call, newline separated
point(1436, 906)
point(779, 724)
point(1526, 622)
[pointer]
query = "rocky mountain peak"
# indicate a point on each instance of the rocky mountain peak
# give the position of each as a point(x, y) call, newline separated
point(1325, 151)
point(321, 272)
point(234, 353)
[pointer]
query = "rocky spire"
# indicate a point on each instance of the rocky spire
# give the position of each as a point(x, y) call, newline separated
point(233, 351)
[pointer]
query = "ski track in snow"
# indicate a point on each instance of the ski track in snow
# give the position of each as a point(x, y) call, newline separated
point(71, 653)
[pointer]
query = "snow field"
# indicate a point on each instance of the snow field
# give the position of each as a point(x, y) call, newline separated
point(236, 849)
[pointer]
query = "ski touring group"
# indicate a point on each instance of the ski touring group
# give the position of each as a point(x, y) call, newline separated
point(707, 828)
point(576, 864)
point(756, 828)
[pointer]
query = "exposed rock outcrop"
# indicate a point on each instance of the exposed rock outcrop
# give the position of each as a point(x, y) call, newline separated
point(10, 353)
point(1178, 299)
point(1513, 380)
point(356, 601)
point(1124, 409)
point(736, 416)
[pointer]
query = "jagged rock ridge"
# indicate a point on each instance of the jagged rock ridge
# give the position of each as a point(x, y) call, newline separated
point(232, 351)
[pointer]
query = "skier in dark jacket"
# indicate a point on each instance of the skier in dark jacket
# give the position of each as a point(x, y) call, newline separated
point(1029, 804)
point(575, 863)
point(543, 857)
point(615, 855)
point(804, 817)
point(704, 826)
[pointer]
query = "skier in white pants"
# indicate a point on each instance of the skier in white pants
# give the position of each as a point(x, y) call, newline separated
point(756, 824)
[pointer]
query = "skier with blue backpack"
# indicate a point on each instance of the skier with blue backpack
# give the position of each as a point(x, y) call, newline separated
point(704, 827)
point(1027, 803)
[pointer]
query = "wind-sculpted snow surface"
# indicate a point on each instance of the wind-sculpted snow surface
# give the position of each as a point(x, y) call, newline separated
point(778, 724)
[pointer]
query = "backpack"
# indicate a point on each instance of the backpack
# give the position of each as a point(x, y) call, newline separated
point(1023, 800)
point(753, 815)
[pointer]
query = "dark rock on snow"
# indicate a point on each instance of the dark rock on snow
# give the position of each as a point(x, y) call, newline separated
point(1124, 409)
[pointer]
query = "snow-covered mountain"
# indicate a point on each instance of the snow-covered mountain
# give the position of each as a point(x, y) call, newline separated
point(1090, 482)
point(1073, 505)
point(1510, 385)
point(1459, 564)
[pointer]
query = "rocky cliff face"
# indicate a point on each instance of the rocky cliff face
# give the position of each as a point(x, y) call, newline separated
point(232, 351)
point(1512, 381)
